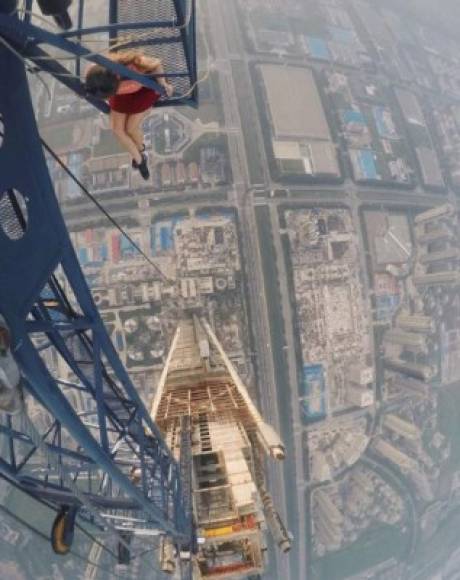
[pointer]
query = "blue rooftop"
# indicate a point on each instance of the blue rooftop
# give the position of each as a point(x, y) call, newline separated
point(367, 163)
point(383, 124)
point(318, 48)
point(352, 116)
point(313, 390)
point(166, 239)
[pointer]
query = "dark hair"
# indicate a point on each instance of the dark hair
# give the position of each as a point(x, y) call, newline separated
point(101, 82)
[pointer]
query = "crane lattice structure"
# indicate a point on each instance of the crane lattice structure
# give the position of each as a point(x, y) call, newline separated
point(86, 446)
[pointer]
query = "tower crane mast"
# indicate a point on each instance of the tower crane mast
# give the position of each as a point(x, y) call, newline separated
point(91, 431)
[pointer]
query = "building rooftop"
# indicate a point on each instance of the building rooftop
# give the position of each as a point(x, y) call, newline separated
point(410, 107)
point(324, 159)
point(300, 115)
point(429, 165)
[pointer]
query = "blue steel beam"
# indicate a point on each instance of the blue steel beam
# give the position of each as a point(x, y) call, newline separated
point(64, 412)
point(57, 449)
point(59, 342)
point(188, 36)
point(115, 27)
point(34, 448)
point(24, 34)
point(54, 284)
point(80, 13)
point(19, 436)
point(191, 47)
point(46, 63)
point(63, 497)
point(40, 326)
point(113, 18)
point(43, 60)
point(76, 278)
point(60, 496)
point(100, 396)
point(28, 36)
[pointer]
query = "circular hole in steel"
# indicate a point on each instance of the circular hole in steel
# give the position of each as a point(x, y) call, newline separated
point(13, 214)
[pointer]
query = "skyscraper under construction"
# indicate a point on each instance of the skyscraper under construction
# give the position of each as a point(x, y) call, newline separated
point(200, 390)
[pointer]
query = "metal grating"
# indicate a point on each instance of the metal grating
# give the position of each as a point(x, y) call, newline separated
point(174, 45)
point(13, 214)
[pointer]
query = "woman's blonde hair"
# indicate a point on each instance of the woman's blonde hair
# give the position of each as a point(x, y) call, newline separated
point(127, 57)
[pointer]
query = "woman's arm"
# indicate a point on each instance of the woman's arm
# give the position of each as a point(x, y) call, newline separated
point(151, 64)
point(155, 66)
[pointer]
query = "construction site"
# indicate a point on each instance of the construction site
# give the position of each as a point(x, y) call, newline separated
point(200, 397)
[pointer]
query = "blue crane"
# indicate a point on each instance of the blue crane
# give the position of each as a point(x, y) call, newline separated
point(95, 455)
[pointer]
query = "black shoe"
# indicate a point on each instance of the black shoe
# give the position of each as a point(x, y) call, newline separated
point(141, 150)
point(142, 167)
point(134, 165)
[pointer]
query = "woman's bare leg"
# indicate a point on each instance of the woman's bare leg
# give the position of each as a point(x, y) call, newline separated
point(133, 128)
point(118, 126)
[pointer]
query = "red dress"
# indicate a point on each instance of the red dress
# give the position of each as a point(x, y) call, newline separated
point(136, 102)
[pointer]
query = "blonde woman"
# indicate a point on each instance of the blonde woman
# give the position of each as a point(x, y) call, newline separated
point(129, 101)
